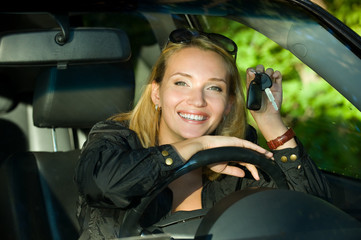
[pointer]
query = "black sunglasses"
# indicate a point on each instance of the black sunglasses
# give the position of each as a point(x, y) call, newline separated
point(185, 35)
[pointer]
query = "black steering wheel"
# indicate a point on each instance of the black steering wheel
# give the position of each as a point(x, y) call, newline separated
point(131, 226)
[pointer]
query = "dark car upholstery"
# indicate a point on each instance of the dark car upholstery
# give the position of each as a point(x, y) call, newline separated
point(39, 195)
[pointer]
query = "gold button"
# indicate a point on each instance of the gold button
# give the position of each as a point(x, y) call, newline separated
point(293, 157)
point(169, 161)
point(284, 159)
point(165, 153)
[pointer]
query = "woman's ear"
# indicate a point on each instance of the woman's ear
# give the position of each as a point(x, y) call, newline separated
point(155, 93)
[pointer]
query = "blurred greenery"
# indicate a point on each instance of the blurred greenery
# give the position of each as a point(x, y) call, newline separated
point(327, 124)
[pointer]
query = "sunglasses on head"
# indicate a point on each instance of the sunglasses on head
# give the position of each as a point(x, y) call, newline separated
point(186, 35)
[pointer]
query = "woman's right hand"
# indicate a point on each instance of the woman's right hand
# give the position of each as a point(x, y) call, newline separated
point(189, 147)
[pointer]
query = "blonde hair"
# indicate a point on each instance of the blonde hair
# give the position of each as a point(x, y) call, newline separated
point(144, 119)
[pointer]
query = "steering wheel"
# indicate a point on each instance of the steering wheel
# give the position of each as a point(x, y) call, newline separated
point(131, 226)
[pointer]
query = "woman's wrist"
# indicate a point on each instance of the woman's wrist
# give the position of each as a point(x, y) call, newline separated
point(281, 140)
point(273, 128)
point(187, 148)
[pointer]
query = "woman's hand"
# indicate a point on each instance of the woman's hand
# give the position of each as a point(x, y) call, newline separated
point(189, 147)
point(268, 119)
point(267, 110)
point(224, 168)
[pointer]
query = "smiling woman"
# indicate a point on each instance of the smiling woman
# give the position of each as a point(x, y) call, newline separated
point(199, 95)
point(193, 102)
point(189, 143)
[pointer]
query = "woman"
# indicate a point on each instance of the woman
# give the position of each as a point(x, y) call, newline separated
point(194, 101)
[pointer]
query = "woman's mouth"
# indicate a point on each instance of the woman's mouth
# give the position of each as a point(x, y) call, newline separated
point(193, 117)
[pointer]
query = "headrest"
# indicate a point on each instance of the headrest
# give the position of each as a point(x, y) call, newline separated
point(80, 96)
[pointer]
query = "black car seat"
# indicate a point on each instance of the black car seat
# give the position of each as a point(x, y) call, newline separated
point(12, 136)
point(38, 195)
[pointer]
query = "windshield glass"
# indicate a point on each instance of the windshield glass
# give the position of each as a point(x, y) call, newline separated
point(325, 121)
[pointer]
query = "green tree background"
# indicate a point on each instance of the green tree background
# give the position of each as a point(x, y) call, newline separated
point(327, 123)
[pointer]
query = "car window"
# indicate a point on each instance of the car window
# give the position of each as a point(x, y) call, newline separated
point(327, 123)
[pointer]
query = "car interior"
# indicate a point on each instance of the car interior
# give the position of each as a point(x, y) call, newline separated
point(62, 73)
point(41, 173)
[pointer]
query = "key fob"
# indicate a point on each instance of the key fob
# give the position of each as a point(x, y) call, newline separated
point(254, 95)
point(265, 80)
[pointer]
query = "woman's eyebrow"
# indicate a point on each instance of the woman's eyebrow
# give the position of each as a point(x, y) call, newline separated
point(218, 80)
point(181, 74)
point(213, 79)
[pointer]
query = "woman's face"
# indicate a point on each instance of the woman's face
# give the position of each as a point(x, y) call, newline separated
point(193, 95)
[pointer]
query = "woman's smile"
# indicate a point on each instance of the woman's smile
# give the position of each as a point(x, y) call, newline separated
point(193, 117)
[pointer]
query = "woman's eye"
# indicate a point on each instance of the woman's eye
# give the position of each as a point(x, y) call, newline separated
point(215, 88)
point(180, 83)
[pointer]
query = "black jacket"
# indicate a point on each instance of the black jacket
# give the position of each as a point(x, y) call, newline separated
point(115, 171)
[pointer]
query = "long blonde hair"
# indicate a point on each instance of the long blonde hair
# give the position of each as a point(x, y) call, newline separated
point(144, 119)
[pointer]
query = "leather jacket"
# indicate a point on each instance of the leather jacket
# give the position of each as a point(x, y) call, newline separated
point(114, 172)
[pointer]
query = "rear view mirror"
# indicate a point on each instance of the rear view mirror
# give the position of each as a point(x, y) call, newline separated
point(84, 45)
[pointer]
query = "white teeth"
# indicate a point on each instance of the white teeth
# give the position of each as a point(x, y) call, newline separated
point(192, 117)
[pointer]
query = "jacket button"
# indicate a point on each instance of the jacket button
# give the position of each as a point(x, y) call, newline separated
point(293, 157)
point(284, 159)
point(165, 153)
point(169, 161)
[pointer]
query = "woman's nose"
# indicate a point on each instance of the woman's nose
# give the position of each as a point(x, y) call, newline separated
point(196, 98)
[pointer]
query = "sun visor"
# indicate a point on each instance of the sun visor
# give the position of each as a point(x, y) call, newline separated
point(80, 96)
point(83, 46)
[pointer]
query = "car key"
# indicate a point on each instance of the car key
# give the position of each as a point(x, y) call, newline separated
point(266, 84)
point(261, 82)
point(254, 95)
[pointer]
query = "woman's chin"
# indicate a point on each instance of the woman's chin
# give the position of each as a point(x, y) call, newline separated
point(193, 134)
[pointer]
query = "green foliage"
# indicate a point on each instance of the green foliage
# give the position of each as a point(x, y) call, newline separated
point(347, 11)
point(316, 99)
point(328, 125)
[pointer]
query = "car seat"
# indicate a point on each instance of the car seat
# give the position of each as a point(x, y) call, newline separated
point(38, 194)
point(12, 137)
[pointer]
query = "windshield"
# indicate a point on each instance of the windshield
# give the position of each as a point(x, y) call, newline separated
point(328, 124)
